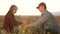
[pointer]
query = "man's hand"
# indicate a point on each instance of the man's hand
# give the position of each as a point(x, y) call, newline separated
point(26, 25)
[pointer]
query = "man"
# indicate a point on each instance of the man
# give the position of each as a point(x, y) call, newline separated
point(47, 19)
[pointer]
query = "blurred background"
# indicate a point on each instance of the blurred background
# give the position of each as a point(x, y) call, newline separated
point(27, 11)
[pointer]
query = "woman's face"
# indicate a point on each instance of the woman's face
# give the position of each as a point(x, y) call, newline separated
point(15, 10)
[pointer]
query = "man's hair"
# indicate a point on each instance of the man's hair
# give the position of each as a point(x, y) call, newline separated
point(42, 4)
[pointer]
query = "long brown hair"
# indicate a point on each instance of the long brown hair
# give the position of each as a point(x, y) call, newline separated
point(13, 7)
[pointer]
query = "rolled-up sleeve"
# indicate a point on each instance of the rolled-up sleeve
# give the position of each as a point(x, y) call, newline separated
point(40, 21)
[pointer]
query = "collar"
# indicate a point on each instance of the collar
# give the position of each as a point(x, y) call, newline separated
point(44, 11)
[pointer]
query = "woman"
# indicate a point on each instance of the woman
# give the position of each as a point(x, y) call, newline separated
point(10, 21)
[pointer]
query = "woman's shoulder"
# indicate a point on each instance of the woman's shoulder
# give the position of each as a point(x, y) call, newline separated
point(8, 15)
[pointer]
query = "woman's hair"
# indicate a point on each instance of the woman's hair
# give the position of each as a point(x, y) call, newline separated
point(13, 7)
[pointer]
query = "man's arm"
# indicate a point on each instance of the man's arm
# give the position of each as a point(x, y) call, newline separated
point(40, 21)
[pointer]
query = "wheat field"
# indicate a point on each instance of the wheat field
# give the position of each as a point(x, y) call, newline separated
point(29, 19)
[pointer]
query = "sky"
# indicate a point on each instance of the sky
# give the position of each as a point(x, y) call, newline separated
point(28, 7)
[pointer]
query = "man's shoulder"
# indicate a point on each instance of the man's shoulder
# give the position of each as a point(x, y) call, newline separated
point(48, 13)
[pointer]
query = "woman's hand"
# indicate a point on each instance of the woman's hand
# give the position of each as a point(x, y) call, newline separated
point(27, 26)
point(24, 23)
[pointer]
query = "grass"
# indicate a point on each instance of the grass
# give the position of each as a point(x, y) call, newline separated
point(29, 19)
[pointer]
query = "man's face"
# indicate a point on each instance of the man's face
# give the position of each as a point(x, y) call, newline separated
point(41, 8)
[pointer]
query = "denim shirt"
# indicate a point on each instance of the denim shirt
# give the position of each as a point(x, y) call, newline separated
point(48, 20)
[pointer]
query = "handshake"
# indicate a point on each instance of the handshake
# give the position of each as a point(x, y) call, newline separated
point(26, 25)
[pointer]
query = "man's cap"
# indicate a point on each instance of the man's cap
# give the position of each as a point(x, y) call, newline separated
point(41, 4)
